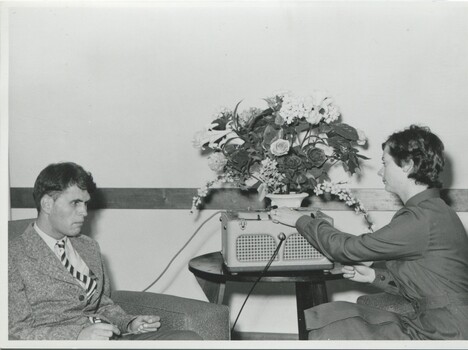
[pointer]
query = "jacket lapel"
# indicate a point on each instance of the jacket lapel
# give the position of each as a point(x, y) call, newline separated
point(46, 260)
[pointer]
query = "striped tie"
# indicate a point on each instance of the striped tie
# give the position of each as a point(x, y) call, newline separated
point(89, 282)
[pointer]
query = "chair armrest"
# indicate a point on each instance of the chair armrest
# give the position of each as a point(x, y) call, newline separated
point(388, 302)
point(210, 321)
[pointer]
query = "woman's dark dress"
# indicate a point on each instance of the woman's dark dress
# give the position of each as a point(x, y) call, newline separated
point(425, 247)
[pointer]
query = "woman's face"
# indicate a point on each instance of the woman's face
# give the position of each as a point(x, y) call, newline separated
point(392, 175)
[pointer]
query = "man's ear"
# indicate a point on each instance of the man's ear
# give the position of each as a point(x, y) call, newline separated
point(47, 203)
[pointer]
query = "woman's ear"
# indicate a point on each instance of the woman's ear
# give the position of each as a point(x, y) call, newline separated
point(408, 166)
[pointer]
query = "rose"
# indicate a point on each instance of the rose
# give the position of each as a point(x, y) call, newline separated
point(217, 161)
point(280, 147)
point(292, 162)
point(316, 156)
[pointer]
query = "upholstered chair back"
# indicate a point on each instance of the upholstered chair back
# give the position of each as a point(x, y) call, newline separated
point(17, 227)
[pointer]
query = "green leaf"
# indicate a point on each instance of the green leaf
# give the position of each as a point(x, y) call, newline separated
point(361, 156)
point(346, 131)
point(325, 128)
point(338, 142)
point(303, 126)
point(353, 163)
point(316, 172)
point(269, 136)
point(235, 115)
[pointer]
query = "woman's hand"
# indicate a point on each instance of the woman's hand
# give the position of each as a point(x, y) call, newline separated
point(285, 216)
point(358, 273)
point(144, 323)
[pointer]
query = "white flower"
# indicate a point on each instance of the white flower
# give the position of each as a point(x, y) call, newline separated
point(332, 114)
point(217, 161)
point(362, 137)
point(292, 108)
point(221, 111)
point(203, 137)
point(280, 147)
point(231, 138)
point(313, 116)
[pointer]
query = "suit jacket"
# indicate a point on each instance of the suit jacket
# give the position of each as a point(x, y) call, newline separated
point(45, 301)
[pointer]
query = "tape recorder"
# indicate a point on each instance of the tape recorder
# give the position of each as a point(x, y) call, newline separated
point(250, 238)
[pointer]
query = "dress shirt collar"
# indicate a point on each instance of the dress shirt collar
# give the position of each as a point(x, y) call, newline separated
point(49, 240)
point(422, 196)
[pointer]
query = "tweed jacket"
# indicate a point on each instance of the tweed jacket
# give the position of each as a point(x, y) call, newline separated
point(45, 301)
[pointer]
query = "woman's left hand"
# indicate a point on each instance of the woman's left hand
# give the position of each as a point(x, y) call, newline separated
point(358, 273)
point(285, 216)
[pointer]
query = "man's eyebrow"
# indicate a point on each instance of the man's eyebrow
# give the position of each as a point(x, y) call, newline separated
point(80, 200)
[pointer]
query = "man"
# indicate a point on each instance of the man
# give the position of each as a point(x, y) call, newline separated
point(58, 287)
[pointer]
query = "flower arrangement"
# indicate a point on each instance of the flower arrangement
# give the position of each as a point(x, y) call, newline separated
point(287, 147)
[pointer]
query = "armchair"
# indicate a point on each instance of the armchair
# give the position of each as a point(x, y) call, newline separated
point(210, 321)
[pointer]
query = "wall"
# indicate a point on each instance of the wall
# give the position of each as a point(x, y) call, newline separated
point(121, 90)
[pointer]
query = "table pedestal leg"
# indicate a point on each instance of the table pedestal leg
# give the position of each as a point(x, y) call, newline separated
point(308, 295)
point(214, 291)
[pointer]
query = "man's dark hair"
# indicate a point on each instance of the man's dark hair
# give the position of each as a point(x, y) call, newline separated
point(56, 178)
point(419, 144)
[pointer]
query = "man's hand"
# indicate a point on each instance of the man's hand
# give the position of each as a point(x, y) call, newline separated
point(98, 331)
point(144, 323)
point(359, 273)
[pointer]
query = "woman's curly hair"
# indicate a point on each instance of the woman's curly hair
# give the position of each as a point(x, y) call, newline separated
point(419, 144)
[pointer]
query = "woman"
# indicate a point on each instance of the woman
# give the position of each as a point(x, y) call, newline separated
point(425, 247)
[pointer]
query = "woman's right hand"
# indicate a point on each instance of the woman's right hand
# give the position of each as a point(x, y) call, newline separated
point(358, 273)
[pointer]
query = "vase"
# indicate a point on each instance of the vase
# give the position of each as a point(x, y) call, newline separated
point(290, 200)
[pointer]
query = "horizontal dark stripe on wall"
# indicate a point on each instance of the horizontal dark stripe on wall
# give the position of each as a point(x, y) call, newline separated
point(227, 199)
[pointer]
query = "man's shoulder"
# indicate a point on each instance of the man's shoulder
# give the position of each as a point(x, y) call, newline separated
point(19, 241)
point(86, 240)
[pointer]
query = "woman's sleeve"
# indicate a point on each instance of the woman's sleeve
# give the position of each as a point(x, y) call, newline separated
point(406, 236)
point(385, 281)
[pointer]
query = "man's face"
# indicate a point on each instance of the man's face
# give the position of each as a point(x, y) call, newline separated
point(67, 212)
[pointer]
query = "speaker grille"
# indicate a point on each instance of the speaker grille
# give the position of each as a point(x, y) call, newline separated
point(255, 247)
point(297, 248)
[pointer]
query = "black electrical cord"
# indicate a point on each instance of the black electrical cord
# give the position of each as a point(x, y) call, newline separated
point(282, 238)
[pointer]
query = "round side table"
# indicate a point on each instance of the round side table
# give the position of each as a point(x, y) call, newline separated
point(310, 284)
